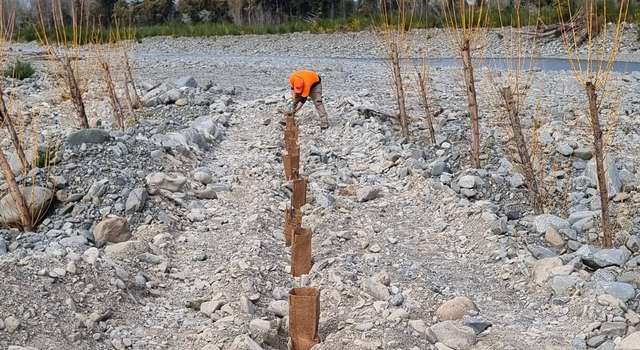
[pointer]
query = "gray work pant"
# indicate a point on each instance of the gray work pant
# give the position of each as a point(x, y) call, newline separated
point(316, 96)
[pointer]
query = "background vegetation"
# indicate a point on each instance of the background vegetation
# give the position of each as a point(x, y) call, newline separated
point(234, 17)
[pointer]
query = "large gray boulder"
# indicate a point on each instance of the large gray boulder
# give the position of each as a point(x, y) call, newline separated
point(163, 181)
point(199, 136)
point(154, 96)
point(88, 136)
point(614, 182)
point(600, 258)
point(37, 199)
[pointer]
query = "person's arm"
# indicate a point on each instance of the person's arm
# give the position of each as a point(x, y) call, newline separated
point(297, 104)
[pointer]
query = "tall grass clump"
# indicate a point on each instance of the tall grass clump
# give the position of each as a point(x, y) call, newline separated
point(19, 70)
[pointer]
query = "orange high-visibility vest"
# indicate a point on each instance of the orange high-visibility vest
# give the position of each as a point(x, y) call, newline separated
point(310, 78)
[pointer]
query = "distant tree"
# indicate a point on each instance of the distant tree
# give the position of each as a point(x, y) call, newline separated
point(214, 10)
point(144, 11)
point(103, 10)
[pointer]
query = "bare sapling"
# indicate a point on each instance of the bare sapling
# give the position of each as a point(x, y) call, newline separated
point(513, 114)
point(421, 78)
point(102, 54)
point(116, 108)
point(124, 36)
point(6, 33)
point(65, 48)
point(472, 101)
point(466, 24)
point(7, 121)
point(512, 91)
point(393, 29)
point(593, 74)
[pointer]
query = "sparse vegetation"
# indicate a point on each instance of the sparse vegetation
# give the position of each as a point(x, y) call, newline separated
point(19, 70)
point(65, 46)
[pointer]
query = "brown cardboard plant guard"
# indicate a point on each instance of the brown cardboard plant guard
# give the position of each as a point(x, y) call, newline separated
point(293, 221)
point(304, 316)
point(291, 162)
point(301, 252)
point(299, 197)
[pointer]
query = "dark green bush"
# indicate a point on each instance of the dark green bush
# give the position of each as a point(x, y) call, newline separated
point(19, 70)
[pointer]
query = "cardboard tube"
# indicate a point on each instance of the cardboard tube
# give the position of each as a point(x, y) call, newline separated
point(304, 318)
point(299, 197)
point(301, 252)
point(293, 221)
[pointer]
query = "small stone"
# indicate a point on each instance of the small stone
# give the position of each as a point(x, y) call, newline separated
point(467, 181)
point(364, 327)
point(136, 200)
point(247, 306)
point(633, 243)
point(113, 230)
point(596, 341)
point(244, 342)
point(544, 221)
point(375, 248)
point(202, 177)
point(455, 309)
point(90, 256)
point(542, 269)
point(210, 307)
point(564, 285)
point(259, 326)
point(613, 328)
point(620, 290)
point(71, 267)
point(366, 194)
point(454, 335)
point(419, 326)
point(186, 81)
point(565, 149)
point(516, 180)
point(600, 258)
point(88, 136)
point(583, 153)
point(477, 323)
point(376, 289)
point(11, 324)
point(553, 237)
point(397, 299)
point(631, 342)
point(279, 308)
point(540, 252)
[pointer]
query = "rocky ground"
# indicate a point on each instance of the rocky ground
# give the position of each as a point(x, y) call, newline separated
point(169, 235)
